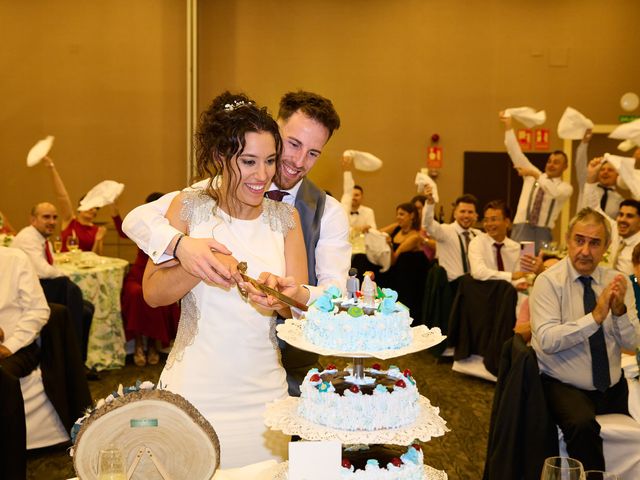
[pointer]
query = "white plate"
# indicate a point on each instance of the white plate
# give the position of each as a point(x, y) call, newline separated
point(283, 415)
point(39, 151)
point(423, 338)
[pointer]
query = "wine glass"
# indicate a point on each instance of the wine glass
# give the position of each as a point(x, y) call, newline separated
point(57, 244)
point(111, 464)
point(562, 468)
point(600, 475)
point(72, 243)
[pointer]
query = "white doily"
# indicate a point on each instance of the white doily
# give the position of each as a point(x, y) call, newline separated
point(423, 338)
point(280, 472)
point(283, 415)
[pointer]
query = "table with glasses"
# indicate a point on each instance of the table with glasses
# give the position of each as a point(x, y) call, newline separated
point(100, 279)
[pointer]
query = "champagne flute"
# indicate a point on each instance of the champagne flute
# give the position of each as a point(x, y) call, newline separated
point(600, 475)
point(111, 464)
point(57, 244)
point(562, 468)
point(72, 243)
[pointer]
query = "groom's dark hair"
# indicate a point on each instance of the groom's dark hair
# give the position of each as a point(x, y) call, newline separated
point(313, 106)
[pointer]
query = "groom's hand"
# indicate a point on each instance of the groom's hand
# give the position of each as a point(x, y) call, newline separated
point(204, 258)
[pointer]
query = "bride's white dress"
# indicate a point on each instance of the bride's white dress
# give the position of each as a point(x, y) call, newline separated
point(225, 359)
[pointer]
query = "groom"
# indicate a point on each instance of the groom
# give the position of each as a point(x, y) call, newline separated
point(306, 121)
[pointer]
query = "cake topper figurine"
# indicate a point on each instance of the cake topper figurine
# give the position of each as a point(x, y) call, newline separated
point(353, 284)
point(368, 290)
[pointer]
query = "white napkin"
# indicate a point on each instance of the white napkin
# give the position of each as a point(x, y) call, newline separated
point(102, 194)
point(377, 248)
point(573, 124)
point(256, 471)
point(625, 167)
point(39, 151)
point(627, 131)
point(422, 179)
point(527, 116)
point(364, 161)
point(626, 145)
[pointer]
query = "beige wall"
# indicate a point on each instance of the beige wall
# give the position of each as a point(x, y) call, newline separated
point(108, 79)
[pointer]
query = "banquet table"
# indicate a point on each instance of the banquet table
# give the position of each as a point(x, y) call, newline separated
point(100, 279)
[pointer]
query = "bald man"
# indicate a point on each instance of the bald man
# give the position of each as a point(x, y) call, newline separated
point(34, 240)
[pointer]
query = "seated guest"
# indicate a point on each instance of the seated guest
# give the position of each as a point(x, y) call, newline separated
point(452, 239)
point(5, 226)
point(428, 243)
point(34, 241)
point(23, 313)
point(159, 325)
point(409, 266)
point(79, 225)
point(581, 317)
point(493, 255)
point(404, 234)
point(626, 231)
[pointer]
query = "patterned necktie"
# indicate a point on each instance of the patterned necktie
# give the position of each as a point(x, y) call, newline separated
point(47, 252)
point(464, 249)
point(276, 195)
point(605, 197)
point(597, 344)
point(499, 260)
point(616, 255)
point(534, 215)
point(467, 239)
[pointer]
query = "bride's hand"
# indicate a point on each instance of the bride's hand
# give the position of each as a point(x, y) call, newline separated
point(229, 264)
point(285, 285)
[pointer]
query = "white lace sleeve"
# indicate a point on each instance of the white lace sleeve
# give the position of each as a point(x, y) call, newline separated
point(197, 207)
point(278, 215)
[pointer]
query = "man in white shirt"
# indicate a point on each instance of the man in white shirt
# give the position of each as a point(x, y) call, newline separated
point(607, 196)
point(543, 194)
point(582, 315)
point(361, 217)
point(23, 313)
point(452, 239)
point(626, 226)
point(493, 255)
point(306, 121)
point(34, 240)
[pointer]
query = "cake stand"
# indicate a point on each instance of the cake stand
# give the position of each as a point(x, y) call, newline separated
point(283, 414)
point(280, 472)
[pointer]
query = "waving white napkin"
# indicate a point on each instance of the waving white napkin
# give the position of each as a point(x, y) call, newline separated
point(364, 161)
point(102, 194)
point(527, 116)
point(422, 179)
point(573, 124)
point(628, 176)
point(630, 132)
point(39, 151)
point(377, 248)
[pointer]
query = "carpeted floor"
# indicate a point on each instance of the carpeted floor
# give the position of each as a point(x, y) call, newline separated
point(464, 402)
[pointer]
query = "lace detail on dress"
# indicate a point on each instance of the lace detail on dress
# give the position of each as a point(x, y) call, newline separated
point(187, 329)
point(197, 207)
point(278, 215)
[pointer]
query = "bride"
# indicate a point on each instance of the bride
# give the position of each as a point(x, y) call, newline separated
point(225, 359)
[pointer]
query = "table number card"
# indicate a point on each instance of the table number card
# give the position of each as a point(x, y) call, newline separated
point(314, 460)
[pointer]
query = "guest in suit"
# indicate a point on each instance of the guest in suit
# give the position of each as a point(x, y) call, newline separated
point(582, 315)
point(543, 193)
point(306, 122)
point(493, 255)
point(452, 239)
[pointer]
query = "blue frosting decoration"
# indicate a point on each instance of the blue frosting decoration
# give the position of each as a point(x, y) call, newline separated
point(373, 462)
point(388, 293)
point(388, 306)
point(324, 303)
point(410, 456)
point(323, 387)
point(333, 292)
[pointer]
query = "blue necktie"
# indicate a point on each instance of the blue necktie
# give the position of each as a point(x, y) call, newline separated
point(599, 358)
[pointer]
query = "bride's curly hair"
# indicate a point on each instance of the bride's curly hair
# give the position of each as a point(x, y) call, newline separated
point(221, 138)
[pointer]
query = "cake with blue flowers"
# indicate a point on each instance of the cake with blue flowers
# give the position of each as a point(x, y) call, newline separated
point(381, 399)
point(382, 462)
point(358, 324)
